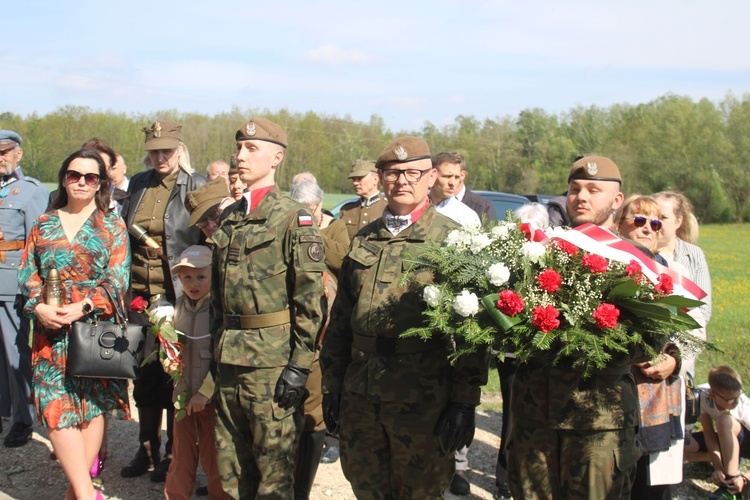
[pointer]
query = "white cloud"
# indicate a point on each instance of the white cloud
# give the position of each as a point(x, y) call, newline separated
point(332, 54)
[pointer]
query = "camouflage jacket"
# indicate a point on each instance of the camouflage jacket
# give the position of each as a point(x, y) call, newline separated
point(558, 397)
point(370, 303)
point(267, 261)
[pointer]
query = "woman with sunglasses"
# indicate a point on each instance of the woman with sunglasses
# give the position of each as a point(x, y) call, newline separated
point(87, 244)
point(660, 389)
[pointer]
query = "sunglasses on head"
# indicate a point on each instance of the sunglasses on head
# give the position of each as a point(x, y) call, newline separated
point(640, 221)
point(73, 177)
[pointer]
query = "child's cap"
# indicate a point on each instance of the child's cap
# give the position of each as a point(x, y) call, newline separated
point(196, 256)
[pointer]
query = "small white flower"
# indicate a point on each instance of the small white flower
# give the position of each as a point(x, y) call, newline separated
point(479, 242)
point(431, 295)
point(466, 304)
point(501, 231)
point(458, 238)
point(533, 251)
point(498, 274)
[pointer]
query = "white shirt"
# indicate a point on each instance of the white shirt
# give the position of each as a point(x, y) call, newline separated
point(459, 212)
point(741, 412)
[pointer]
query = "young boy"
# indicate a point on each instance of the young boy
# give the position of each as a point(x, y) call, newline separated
point(726, 408)
point(194, 434)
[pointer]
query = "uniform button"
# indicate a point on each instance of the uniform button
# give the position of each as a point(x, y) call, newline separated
point(168, 237)
point(170, 257)
point(158, 201)
point(151, 268)
point(166, 216)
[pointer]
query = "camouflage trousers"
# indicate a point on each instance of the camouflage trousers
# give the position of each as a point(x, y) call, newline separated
point(567, 464)
point(389, 451)
point(255, 439)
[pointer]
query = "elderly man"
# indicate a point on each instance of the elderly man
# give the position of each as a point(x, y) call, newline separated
point(371, 203)
point(218, 168)
point(401, 408)
point(574, 437)
point(22, 199)
point(267, 307)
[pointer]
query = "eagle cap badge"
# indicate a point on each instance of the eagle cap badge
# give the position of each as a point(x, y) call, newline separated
point(250, 129)
point(592, 168)
point(400, 153)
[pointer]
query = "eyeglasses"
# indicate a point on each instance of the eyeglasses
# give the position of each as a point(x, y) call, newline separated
point(201, 224)
point(640, 221)
point(412, 175)
point(73, 177)
point(730, 401)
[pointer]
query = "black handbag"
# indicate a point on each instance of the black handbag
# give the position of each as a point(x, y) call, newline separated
point(692, 400)
point(101, 349)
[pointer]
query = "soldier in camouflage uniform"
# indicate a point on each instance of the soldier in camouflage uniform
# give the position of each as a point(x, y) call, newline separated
point(574, 437)
point(400, 407)
point(268, 305)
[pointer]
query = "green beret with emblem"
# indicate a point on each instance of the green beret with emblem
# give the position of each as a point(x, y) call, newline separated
point(261, 129)
point(595, 168)
point(163, 135)
point(403, 149)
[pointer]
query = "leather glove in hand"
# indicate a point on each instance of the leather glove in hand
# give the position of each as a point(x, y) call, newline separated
point(331, 411)
point(290, 389)
point(455, 427)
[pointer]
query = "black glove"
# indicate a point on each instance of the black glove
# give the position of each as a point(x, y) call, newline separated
point(331, 411)
point(455, 427)
point(290, 389)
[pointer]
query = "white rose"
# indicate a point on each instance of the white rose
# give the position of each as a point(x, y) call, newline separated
point(534, 251)
point(431, 295)
point(466, 304)
point(498, 274)
point(479, 242)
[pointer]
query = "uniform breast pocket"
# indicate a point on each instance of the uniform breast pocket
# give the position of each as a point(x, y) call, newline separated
point(264, 255)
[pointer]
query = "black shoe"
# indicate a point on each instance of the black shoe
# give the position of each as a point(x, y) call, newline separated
point(330, 455)
point(139, 465)
point(459, 485)
point(160, 472)
point(502, 492)
point(19, 435)
point(201, 491)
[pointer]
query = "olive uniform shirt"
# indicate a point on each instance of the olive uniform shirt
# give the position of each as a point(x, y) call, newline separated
point(358, 214)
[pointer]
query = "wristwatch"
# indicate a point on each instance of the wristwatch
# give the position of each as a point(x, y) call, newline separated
point(87, 308)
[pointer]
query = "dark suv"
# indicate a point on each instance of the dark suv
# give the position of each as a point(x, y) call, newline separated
point(502, 202)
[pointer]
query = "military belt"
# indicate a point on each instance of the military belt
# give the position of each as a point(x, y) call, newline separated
point(247, 321)
point(393, 347)
point(7, 246)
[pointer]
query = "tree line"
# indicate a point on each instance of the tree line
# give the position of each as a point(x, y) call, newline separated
point(671, 143)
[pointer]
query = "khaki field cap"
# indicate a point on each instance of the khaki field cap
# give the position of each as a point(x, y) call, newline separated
point(362, 168)
point(261, 129)
point(595, 168)
point(402, 150)
point(163, 135)
point(196, 256)
point(204, 198)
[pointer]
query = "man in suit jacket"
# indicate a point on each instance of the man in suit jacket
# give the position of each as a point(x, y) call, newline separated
point(451, 168)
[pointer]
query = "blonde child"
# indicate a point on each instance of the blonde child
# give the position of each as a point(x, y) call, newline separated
point(725, 417)
point(194, 436)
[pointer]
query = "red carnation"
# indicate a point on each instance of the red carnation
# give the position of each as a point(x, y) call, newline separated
point(595, 263)
point(606, 315)
point(633, 268)
point(545, 318)
point(138, 304)
point(566, 247)
point(665, 285)
point(510, 303)
point(549, 280)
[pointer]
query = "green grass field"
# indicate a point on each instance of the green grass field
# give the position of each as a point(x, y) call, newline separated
point(726, 248)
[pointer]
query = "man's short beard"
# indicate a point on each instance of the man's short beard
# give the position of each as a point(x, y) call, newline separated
point(600, 218)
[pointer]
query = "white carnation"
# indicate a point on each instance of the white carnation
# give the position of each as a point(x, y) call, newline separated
point(431, 295)
point(457, 238)
point(466, 304)
point(501, 231)
point(498, 274)
point(533, 250)
point(479, 242)
point(555, 231)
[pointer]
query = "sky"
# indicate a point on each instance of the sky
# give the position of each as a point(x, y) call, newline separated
point(410, 62)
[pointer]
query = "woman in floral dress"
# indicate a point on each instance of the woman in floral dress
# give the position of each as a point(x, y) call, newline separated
point(87, 244)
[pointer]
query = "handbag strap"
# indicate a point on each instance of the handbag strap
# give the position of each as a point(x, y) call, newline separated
point(116, 300)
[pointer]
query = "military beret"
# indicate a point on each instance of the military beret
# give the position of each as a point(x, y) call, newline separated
point(362, 168)
point(203, 199)
point(595, 168)
point(163, 135)
point(403, 149)
point(261, 129)
point(195, 256)
point(9, 139)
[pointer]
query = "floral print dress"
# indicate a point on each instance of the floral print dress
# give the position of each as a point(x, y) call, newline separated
point(99, 250)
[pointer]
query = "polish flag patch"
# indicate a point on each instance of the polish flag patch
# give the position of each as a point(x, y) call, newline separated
point(304, 220)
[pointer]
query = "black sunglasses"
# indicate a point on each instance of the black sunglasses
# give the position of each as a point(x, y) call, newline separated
point(73, 177)
point(640, 221)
